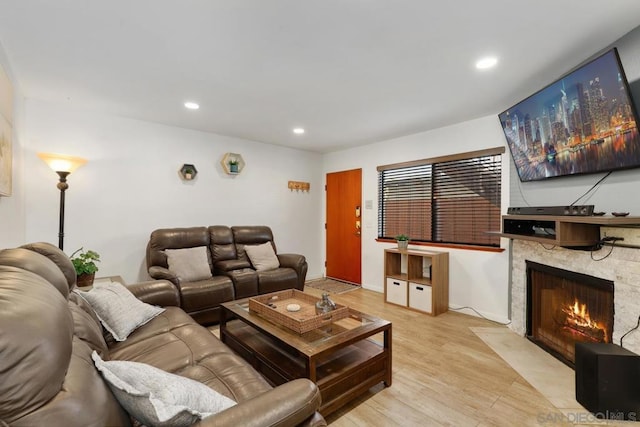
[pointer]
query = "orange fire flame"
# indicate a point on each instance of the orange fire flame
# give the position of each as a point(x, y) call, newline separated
point(578, 315)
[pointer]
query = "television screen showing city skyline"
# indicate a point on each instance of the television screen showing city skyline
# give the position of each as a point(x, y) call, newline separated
point(583, 123)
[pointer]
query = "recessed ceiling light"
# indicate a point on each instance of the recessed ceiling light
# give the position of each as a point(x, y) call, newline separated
point(487, 62)
point(298, 131)
point(191, 105)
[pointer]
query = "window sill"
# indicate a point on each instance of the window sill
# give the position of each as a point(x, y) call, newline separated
point(448, 245)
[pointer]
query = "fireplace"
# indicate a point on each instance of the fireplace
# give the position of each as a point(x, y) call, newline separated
point(565, 307)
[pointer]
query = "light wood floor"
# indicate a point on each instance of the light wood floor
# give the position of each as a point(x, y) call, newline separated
point(443, 374)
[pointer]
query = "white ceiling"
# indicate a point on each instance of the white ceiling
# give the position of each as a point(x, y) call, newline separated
point(350, 72)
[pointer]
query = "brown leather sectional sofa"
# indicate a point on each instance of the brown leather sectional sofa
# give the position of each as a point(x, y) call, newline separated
point(47, 376)
point(233, 275)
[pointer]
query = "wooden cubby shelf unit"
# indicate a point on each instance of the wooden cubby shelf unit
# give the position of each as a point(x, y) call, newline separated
point(417, 279)
point(567, 231)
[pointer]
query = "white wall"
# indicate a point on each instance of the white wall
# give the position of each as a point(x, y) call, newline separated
point(130, 186)
point(477, 279)
point(12, 222)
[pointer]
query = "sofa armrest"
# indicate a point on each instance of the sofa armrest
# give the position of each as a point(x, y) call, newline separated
point(156, 292)
point(222, 267)
point(290, 404)
point(294, 261)
point(298, 263)
point(162, 273)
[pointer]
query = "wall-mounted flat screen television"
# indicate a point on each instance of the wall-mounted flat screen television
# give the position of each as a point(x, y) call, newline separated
point(583, 123)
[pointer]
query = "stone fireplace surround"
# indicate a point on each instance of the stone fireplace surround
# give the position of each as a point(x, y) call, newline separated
point(622, 267)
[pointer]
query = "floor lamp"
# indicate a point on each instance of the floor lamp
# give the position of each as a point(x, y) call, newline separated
point(63, 166)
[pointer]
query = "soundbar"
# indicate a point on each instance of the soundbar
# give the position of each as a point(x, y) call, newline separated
point(574, 210)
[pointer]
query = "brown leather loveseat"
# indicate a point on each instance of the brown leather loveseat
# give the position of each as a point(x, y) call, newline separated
point(49, 332)
point(228, 273)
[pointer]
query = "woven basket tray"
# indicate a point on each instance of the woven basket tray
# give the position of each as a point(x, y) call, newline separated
point(301, 321)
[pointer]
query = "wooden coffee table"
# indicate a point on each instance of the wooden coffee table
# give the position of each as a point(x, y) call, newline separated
point(344, 359)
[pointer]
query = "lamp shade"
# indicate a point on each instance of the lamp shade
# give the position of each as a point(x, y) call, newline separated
point(61, 162)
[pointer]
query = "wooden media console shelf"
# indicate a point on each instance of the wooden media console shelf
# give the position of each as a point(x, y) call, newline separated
point(567, 231)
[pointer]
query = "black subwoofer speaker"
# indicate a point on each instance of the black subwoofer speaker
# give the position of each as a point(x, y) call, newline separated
point(608, 380)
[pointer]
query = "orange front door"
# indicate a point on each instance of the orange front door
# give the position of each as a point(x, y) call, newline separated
point(344, 220)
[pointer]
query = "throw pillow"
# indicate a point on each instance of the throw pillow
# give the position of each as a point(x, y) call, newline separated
point(119, 311)
point(262, 256)
point(189, 264)
point(158, 398)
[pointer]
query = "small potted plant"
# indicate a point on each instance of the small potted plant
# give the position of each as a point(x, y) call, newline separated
point(84, 263)
point(233, 166)
point(188, 173)
point(403, 241)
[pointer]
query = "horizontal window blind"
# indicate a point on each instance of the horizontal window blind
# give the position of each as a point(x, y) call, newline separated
point(406, 197)
point(450, 201)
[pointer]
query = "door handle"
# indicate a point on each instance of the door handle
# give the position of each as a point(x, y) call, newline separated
point(357, 228)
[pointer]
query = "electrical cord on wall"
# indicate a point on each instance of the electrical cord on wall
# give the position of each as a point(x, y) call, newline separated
point(628, 332)
point(549, 249)
point(522, 193)
point(480, 315)
point(601, 243)
point(592, 188)
point(606, 256)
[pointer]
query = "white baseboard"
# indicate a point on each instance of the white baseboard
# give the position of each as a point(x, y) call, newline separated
point(478, 313)
point(373, 288)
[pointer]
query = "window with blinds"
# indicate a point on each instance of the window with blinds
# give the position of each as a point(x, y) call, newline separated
point(453, 199)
